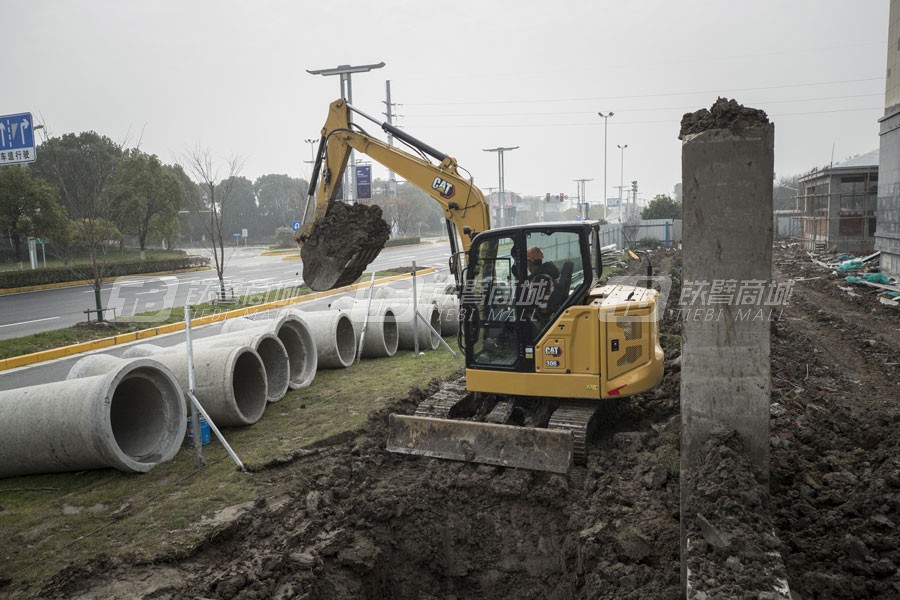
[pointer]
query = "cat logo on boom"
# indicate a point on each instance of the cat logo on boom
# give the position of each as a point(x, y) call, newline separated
point(445, 188)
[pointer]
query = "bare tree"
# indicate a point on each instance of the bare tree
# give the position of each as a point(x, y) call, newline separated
point(213, 205)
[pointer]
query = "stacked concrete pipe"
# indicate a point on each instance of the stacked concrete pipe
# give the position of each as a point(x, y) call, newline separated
point(130, 418)
point(294, 333)
point(447, 306)
point(335, 337)
point(270, 349)
point(230, 382)
point(408, 327)
point(382, 336)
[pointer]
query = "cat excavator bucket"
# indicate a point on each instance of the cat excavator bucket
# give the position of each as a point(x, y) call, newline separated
point(339, 247)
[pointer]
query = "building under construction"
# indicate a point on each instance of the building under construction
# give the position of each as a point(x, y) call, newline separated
point(837, 205)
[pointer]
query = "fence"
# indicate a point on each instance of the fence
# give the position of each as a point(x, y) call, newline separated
point(627, 235)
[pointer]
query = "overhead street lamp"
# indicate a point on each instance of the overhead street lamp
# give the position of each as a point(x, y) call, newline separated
point(622, 179)
point(605, 127)
point(345, 71)
point(312, 150)
point(582, 198)
point(500, 151)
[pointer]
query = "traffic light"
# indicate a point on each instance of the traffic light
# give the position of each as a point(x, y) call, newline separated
point(547, 199)
point(562, 197)
point(634, 188)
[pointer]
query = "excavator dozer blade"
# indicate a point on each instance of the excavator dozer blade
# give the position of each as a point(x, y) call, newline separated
point(472, 441)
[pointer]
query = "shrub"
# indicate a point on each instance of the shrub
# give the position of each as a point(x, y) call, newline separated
point(404, 241)
point(14, 279)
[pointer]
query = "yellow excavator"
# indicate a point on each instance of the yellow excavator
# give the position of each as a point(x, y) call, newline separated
point(546, 342)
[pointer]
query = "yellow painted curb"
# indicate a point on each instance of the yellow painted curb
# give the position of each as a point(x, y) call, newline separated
point(124, 338)
point(67, 284)
point(277, 252)
point(294, 257)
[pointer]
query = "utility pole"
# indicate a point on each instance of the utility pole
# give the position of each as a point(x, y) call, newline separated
point(501, 183)
point(622, 202)
point(490, 198)
point(345, 71)
point(605, 189)
point(582, 198)
point(389, 113)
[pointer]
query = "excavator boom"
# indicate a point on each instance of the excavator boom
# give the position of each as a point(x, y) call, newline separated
point(338, 240)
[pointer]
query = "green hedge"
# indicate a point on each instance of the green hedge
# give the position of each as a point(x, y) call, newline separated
point(404, 241)
point(15, 279)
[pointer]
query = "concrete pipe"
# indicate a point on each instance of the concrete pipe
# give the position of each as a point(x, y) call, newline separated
point(447, 305)
point(294, 333)
point(131, 418)
point(423, 290)
point(403, 312)
point(270, 349)
point(343, 303)
point(382, 335)
point(143, 350)
point(230, 382)
point(335, 337)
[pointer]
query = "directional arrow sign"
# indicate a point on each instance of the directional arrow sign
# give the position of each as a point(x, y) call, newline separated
point(16, 139)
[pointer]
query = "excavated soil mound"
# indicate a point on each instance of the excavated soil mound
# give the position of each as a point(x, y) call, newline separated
point(734, 552)
point(724, 114)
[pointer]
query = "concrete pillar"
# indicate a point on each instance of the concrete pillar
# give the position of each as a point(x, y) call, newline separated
point(725, 365)
point(727, 237)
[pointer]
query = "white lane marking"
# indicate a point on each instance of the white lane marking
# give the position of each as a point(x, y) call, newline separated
point(27, 322)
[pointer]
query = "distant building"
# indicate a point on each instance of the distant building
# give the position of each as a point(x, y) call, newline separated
point(836, 210)
point(887, 236)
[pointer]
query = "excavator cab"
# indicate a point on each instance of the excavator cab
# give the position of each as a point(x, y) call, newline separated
point(518, 280)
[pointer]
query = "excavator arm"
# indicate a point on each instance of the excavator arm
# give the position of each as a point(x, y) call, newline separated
point(338, 243)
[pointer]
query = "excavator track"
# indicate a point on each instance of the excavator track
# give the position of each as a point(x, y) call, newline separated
point(576, 418)
point(438, 405)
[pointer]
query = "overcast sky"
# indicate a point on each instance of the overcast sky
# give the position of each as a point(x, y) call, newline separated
point(473, 74)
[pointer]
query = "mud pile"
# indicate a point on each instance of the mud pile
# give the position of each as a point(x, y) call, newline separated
point(342, 244)
point(724, 114)
point(734, 552)
point(836, 438)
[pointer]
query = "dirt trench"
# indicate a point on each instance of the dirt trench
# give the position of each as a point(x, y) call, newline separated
point(348, 520)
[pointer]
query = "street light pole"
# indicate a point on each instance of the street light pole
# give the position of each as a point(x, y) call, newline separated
point(345, 71)
point(605, 189)
point(622, 178)
point(312, 150)
point(501, 183)
point(582, 197)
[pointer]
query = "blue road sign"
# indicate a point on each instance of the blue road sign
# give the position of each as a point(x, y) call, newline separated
point(295, 225)
point(16, 139)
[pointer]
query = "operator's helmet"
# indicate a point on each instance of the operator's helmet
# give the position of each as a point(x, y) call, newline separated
point(535, 254)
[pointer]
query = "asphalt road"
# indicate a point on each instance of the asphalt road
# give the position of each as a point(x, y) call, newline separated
point(247, 261)
point(246, 271)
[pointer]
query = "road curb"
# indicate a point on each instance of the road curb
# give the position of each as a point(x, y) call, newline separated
point(67, 284)
point(125, 338)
